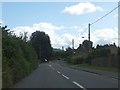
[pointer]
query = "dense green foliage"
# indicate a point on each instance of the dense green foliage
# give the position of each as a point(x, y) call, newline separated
point(19, 58)
point(103, 52)
point(95, 53)
point(119, 51)
point(78, 59)
point(87, 44)
point(58, 54)
point(113, 69)
point(41, 43)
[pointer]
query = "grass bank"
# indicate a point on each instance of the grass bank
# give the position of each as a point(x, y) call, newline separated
point(112, 69)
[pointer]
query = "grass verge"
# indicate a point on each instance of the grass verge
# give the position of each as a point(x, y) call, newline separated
point(112, 69)
point(87, 66)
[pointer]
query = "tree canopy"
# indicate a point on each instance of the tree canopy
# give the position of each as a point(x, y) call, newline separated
point(87, 44)
point(41, 43)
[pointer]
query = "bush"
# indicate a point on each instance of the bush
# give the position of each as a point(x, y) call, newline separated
point(119, 51)
point(78, 59)
point(100, 53)
point(88, 59)
point(19, 59)
point(7, 75)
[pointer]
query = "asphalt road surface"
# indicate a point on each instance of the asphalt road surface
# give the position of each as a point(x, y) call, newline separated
point(53, 75)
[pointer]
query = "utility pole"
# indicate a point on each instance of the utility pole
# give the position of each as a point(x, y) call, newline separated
point(62, 48)
point(73, 44)
point(89, 31)
point(89, 42)
point(89, 37)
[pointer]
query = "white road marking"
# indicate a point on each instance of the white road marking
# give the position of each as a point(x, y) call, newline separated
point(53, 68)
point(95, 74)
point(50, 65)
point(114, 78)
point(59, 72)
point(65, 76)
point(79, 85)
point(68, 78)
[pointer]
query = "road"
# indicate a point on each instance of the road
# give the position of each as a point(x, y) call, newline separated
point(53, 75)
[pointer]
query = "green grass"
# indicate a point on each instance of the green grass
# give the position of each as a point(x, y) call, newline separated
point(112, 69)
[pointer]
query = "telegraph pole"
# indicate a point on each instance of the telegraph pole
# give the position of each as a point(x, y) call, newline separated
point(73, 44)
point(89, 37)
point(89, 31)
point(62, 48)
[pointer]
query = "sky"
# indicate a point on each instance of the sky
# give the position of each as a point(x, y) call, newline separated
point(63, 21)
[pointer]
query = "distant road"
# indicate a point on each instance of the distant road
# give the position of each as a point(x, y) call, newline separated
point(56, 76)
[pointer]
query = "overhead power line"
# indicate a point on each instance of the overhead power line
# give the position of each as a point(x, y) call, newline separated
point(105, 15)
point(97, 21)
point(83, 31)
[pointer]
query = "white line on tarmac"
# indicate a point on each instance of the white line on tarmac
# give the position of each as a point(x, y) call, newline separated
point(53, 68)
point(58, 72)
point(79, 85)
point(65, 76)
point(114, 78)
point(50, 65)
point(95, 74)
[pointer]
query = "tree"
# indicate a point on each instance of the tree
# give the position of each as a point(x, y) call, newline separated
point(87, 44)
point(41, 43)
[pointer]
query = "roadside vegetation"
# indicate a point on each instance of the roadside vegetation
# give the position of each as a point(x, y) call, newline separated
point(88, 66)
point(112, 69)
point(104, 57)
point(19, 58)
point(42, 45)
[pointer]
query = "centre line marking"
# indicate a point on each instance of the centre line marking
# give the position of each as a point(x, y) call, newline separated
point(94, 74)
point(65, 76)
point(79, 85)
point(53, 68)
point(50, 65)
point(58, 72)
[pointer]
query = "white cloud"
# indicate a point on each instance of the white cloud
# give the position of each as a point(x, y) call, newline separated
point(99, 8)
point(102, 36)
point(81, 8)
point(1, 22)
point(57, 40)
point(105, 36)
point(116, 15)
point(63, 40)
point(21, 30)
point(48, 28)
point(76, 27)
